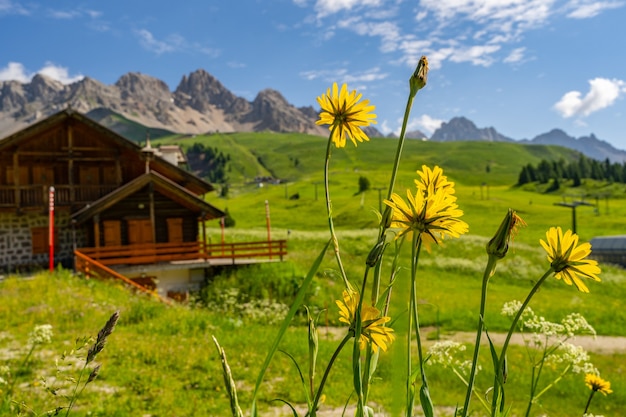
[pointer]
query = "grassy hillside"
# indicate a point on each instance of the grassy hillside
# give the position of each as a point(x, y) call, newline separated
point(161, 360)
point(297, 157)
point(484, 194)
point(124, 126)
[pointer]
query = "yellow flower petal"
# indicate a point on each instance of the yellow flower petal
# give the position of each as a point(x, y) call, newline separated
point(346, 114)
point(569, 259)
point(373, 329)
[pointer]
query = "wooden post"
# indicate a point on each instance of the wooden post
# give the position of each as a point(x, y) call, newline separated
point(70, 164)
point(16, 179)
point(96, 235)
point(152, 212)
point(222, 229)
point(204, 249)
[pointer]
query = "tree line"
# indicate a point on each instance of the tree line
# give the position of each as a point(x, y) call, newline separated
point(556, 171)
point(209, 161)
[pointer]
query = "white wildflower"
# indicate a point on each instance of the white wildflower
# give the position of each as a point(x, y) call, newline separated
point(543, 327)
point(510, 308)
point(443, 353)
point(575, 323)
point(40, 335)
point(568, 354)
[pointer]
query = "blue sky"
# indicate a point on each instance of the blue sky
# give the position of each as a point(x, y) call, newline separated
point(521, 66)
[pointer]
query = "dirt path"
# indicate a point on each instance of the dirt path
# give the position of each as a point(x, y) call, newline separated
point(599, 344)
point(604, 345)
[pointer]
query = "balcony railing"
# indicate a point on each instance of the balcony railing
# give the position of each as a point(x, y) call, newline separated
point(37, 195)
point(187, 251)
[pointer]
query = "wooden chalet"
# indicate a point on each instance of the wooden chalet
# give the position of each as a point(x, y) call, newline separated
point(119, 209)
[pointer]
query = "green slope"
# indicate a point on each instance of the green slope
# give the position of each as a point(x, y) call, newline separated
point(294, 157)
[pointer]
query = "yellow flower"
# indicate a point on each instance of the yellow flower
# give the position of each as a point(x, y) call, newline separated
point(346, 114)
point(373, 327)
point(432, 216)
point(432, 180)
point(568, 259)
point(595, 383)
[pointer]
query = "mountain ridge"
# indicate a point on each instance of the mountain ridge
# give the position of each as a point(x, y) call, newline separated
point(201, 104)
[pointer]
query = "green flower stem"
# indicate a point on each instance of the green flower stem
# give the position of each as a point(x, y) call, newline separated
point(414, 320)
point(356, 350)
point(498, 378)
point(489, 269)
point(478, 396)
point(553, 383)
point(20, 369)
point(386, 215)
point(74, 394)
point(329, 210)
point(392, 277)
point(320, 389)
point(588, 402)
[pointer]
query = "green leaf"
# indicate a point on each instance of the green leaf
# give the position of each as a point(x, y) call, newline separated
point(293, 410)
point(283, 328)
point(499, 388)
point(306, 391)
point(427, 402)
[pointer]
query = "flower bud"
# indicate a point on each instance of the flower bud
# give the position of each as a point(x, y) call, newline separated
point(499, 245)
point(313, 345)
point(419, 77)
point(376, 253)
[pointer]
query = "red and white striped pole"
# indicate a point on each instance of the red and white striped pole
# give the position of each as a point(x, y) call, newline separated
point(51, 227)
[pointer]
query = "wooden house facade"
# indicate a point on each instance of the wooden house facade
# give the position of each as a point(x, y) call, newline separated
point(114, 202)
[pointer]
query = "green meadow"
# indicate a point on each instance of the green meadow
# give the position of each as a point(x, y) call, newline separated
point(161, 360)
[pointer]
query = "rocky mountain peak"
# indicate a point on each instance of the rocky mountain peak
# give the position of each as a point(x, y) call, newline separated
point(12, 96)
point(142, 87)
point(43, 88)
point(276, 114)
point(201, 91)
point(460, 128)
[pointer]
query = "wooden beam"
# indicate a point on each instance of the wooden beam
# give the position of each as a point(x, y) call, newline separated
point(152, 213)
point(70, 163)
point(16, 178)
point(96, 232)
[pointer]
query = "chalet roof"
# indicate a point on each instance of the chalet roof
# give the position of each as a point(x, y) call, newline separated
point(162, 185)
point(608, 244)
point(190, 181)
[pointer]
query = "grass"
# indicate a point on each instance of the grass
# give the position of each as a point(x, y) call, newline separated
point(161, 360)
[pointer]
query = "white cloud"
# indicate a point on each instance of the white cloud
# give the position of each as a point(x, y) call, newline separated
point(426, 123)
point(10, 7)
point(17, 72)
point(329, 7)
point(14, 71)
point(173, 43)
point(64, 14)
point(516, 55)
point(59, 73)
point(149, 42)
point(477, 55)
point(342, 75)
point(73, 13)
point(584, 9)
point(602, 93)
point(512, 13)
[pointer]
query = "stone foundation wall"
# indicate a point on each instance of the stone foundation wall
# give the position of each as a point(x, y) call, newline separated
point(16, 249)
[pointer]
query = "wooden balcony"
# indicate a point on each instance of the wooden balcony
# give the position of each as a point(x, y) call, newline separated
point(187, 252)
point(37, 195)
